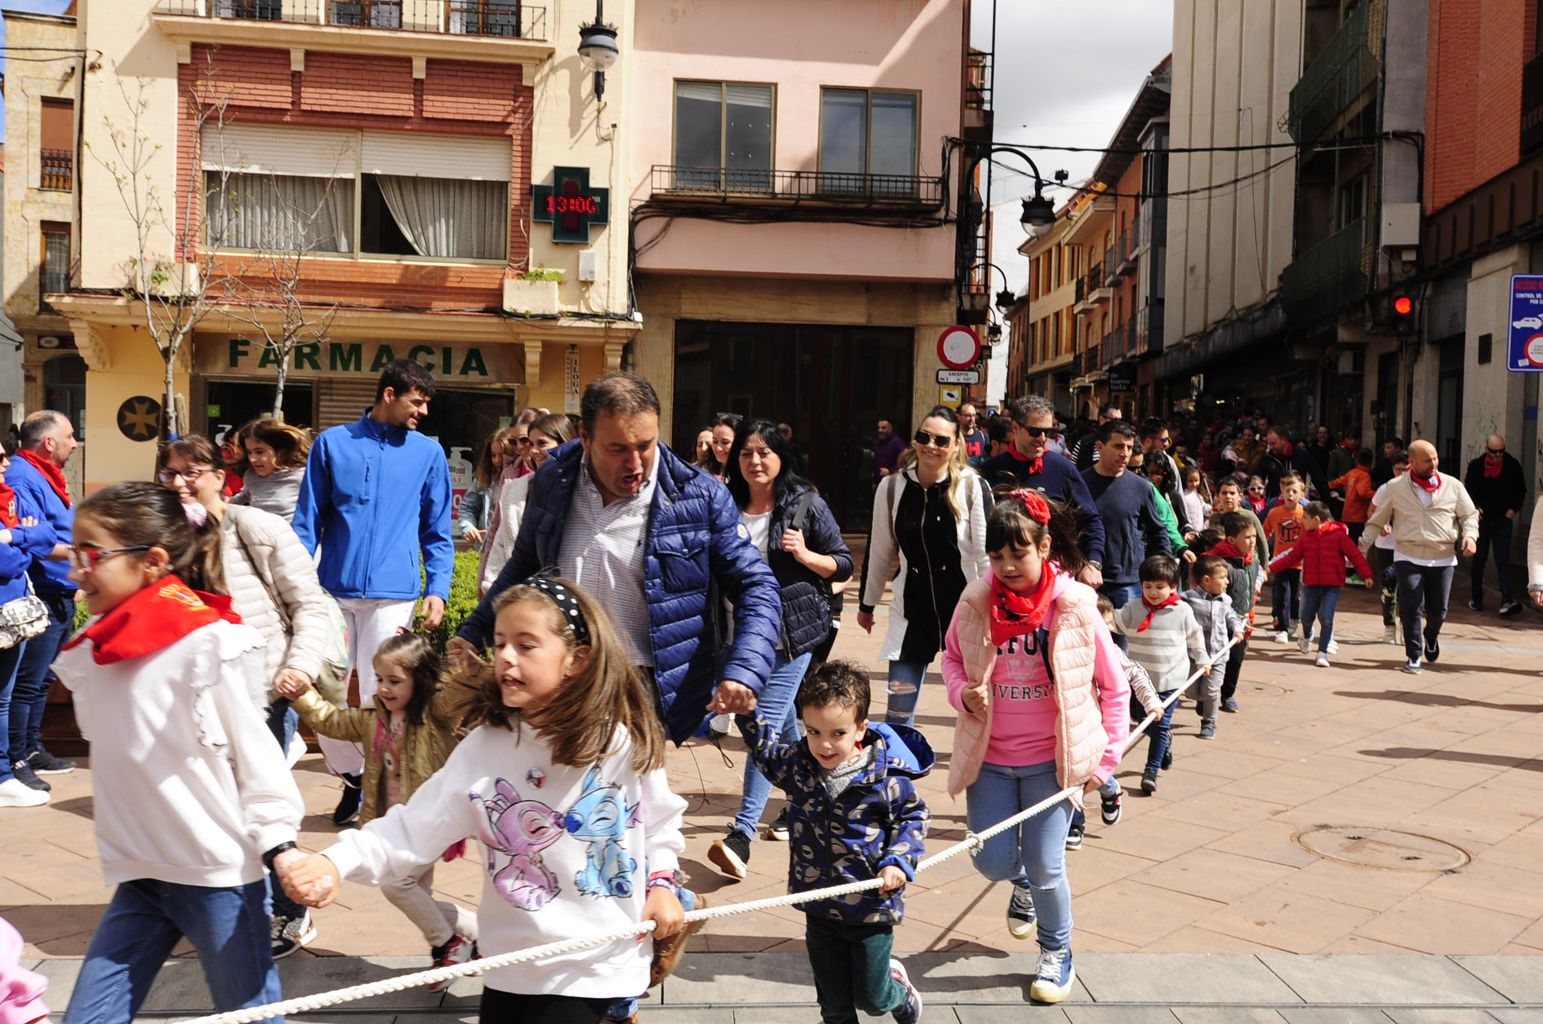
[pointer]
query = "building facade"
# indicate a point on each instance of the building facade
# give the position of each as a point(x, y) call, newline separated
point(1043, 356)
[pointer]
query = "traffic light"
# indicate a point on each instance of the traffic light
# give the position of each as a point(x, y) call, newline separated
point(1403, 308)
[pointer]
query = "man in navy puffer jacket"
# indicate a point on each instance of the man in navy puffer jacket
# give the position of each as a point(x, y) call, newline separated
point(660, 545)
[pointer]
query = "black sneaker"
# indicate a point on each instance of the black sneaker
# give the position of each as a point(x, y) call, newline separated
point(44, 763)
point(910, 1009)
point(288, 934)
point(1432, 650)
point(731, 854)
point(347, 810)
point(1168, 755)
point(1230, 705)
point(778, 829)
point(1109, 808)
point(1020, 913)
point(1149, 782)
point(1074, 837)
point(1510, 608)
point(23, 771)
point(1208, 729)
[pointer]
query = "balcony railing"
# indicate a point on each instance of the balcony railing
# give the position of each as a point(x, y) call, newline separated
point(58, 170)
point(788, 188)
point(1149, 328)
point(1106, 352)
point(1080, 291)
point(1326, 278)
point(977, 81)
point(1339, 74)
point(510, 19)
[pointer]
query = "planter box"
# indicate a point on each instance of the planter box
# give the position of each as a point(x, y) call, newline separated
point(539, 297)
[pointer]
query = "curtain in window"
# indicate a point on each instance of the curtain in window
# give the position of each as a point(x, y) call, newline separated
point(279, 213)
point(449, 219)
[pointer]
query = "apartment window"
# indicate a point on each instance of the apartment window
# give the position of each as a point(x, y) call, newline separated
point(1055, 334)
point(368, 13)
point(254, 10)
point(56, 140)
point(868, 141)
point(54, 272)
point(723, 136)
point(1352, 201)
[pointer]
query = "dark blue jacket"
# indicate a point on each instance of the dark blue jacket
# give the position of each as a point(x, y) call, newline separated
point(36, 499)
point(878, 820)
point(805, 594)
point(374, 497)
point(28, 545)
point(1057, 479)
point(696, 554)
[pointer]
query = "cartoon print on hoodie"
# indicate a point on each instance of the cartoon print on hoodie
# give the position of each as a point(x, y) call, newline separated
point(600, 818)
point(519, 829)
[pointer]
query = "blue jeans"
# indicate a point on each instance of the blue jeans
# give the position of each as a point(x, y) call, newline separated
point(1319, 603)
point(905, 689)
point(228, 927)
point(283, 720)
point(775, 705)
point(1285, 591)
point(1160, 735)
point(1034, 854)
point(30, 695)
point(1120, 595)
point(1422, 593)
point(10, 660)
point(624, 1008)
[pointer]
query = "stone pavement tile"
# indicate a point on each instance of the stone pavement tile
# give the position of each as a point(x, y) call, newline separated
point(1227, 1015)
point(725, 979)
point(1346, 771)
point(1143, 835)
point(1334, 1015)
point(1137, 913)
point(1218, 760)
point(1214, 874)
point(1492, 887)
point(677, 1015)
point(1359, 886)
point(1095, 865)
point(1278, 787)
point(1358, 945)
point(1223, 810)
point(1288, 921)
point(1440, 1015)
point(1376, 801)
point(1518, 978)
point(53, 928)
point(1181, 978)
point(1422, 767)
point(1006, 1015)
point(1270, 840)
point(1093, 942)
point(1518, 1015)
point(1517, 850)
point(1380, 980)
point(1117, 1015)
point(1485, 814)
point(1195, 939)
point(1441, 926)
point(993, 977)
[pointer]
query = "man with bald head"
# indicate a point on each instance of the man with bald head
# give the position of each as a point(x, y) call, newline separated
point(1432, 517)
point(1498, 487)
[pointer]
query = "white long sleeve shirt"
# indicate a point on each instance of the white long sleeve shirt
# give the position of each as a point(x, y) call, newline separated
point(567, 852)
point(189, 786)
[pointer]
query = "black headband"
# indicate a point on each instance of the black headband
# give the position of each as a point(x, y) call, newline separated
point(566, 602)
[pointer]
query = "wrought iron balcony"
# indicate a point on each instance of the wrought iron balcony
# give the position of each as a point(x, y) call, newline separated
point(977, 81)
point(508, 19)
point(58, 170)
point(679, 184)
point(1339, 74)
point(1326, 278)
point(1106, 353)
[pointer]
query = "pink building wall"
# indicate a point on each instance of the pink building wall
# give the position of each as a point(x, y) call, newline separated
point(799, 46)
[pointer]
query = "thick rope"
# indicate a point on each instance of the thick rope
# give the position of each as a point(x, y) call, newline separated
point(971, 843)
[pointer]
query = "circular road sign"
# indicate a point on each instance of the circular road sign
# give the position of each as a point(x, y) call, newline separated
point(959, 347)
point(1535, 350)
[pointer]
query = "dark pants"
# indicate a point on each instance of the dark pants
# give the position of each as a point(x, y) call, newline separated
point(1494, 534)
point(1422, 593)
point(1234, 669)
point(1355, 530)
point(1387, 583)
point(851, 969)
point(1285, 593)
point(10, 660)
point(516, 1008)
point(29, 697)
point(1160, 736)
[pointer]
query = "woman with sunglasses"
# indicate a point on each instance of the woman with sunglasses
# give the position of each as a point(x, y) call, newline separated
point(545, 436)
point(929, 537)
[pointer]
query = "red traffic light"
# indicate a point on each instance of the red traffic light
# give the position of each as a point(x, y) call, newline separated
point(1403, 305)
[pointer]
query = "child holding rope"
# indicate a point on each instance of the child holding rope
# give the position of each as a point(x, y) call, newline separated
point(192, 795)
point(1043, 706)
point(563, 781)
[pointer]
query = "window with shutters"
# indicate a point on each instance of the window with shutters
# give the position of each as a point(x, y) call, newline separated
point(54, 268)
point(57, 145)
point(723, 136)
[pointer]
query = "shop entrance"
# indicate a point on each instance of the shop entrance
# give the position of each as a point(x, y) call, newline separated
point(830, 384)
point(230, 404)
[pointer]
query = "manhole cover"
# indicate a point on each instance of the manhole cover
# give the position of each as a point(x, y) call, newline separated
point(1269, 689)
point(1382, 848)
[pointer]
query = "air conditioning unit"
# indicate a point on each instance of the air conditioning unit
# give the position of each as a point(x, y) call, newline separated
point(1400, 225)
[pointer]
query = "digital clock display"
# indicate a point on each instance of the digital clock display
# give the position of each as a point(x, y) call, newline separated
point(570, 205)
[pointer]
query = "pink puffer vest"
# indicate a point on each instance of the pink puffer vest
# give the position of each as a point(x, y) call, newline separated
point(1080, 738)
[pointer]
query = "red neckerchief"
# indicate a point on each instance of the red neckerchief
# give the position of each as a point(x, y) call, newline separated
point(1034, 467)
point(8, 507)
point(1428, 486)
point(1492, 465)
point(1014, 614)
point(154, 618)
point(52, 473)
point(1227, 549)
point(1153, 609)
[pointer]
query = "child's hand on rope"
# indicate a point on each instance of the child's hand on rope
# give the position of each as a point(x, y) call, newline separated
point(664, 909)
point(891, 878)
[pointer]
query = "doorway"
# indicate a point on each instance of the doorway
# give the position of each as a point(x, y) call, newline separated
point(1449, 403)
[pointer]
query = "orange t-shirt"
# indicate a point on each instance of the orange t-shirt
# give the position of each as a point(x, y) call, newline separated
point(1284, 528)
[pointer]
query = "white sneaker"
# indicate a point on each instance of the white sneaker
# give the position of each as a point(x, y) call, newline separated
point(721, 725)
point(1333, 646)
point(1303, 643)
point(1390, 634)
point(1282, 638)
point(1292, 631)
point(16, 793)
point(296, 749)
point(1323, 660)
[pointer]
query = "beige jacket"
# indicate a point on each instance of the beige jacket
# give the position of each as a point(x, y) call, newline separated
point(1422, 532)
point(264, 561)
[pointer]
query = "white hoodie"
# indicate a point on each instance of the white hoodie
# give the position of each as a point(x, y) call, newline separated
point(567, 852)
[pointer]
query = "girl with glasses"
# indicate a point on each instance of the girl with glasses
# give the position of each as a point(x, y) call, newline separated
point(929, 537)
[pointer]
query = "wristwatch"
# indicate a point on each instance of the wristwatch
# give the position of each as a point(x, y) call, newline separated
point(283, 847)
point(1095, 563)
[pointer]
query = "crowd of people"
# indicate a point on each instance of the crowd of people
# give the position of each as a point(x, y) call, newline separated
point(1072, 580)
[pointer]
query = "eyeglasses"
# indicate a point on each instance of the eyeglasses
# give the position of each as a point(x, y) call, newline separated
point(1034, 431)
point(85, 560)
point(167, 476)
point(1259, 489)
point(936, 440)
point(522, 441)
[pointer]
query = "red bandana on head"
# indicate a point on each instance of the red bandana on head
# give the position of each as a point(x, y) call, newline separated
point(152, 618)
point(1429, 486)
point(1153, 609)
point(52, 473)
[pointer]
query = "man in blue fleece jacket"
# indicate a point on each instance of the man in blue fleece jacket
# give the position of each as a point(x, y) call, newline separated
point(376, 494)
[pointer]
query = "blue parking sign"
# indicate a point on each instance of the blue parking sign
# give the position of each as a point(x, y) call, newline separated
point(1525, 353)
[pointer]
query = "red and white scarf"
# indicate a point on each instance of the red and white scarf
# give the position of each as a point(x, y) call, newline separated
point(151, 619)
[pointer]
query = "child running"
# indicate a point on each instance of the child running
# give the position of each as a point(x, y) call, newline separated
point(1283, 526)
point(563, 781)
point(1144, 701)
point(1219, 623)
point(853, 814)
point(407, 737)
point(1235, 545)
point(1321, 553)
point(275, 458)
point(1043, 706)
point(191, 794)
point(1164, 638)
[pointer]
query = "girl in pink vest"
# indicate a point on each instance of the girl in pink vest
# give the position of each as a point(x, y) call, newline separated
point(1043, 705)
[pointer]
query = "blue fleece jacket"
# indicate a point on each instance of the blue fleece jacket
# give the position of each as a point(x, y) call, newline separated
point(36, 499)
point(375, 497)
point(1057, 479)
point(28, 544)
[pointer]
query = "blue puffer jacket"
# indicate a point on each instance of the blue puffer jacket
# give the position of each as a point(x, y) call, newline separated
point(878, 820)
point(805, 594)
point(36, 499)
point(375, 496)
point(28, 544)
point(696, 553)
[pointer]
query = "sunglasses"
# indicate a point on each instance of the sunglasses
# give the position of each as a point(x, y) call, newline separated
point(84, 560)
point(1494, 451)
point(1033, 431)
point(936, 440)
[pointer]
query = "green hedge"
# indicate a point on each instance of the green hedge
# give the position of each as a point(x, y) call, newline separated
point(463, 600)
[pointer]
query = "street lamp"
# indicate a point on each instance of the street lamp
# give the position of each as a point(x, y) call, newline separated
point(1038, 213)
point(597, 47)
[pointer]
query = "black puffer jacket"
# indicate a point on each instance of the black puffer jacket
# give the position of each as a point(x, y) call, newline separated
point(805, 595)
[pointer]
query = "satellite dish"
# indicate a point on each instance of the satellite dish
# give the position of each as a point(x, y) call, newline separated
point(48, 341)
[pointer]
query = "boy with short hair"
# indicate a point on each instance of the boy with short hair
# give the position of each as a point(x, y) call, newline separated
point(850, 788)
point(1219, 623)
point(1322, 552)
point(1283, 525)
point(1237, 550)
point(1229, 498)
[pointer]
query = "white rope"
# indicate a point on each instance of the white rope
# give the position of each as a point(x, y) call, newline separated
point(972, 843)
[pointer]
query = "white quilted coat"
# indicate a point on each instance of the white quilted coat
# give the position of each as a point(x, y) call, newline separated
point(257, 546)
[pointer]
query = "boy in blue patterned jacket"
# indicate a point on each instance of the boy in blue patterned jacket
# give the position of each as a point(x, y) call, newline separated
point(845, 782)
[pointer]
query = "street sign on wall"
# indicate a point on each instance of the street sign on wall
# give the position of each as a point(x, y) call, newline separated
point(959, 347)
point(958, 376)
point(1525, 352)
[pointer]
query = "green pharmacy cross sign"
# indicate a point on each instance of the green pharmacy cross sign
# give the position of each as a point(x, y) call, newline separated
point(570, 205)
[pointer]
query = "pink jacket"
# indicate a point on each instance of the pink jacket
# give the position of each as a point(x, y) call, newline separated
point(21, 991)
point(1091, 690)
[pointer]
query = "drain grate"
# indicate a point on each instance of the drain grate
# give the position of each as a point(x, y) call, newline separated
point(1384, 848)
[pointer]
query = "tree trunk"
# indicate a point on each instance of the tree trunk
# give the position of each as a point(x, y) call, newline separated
point(169, 411)
point(278, 392)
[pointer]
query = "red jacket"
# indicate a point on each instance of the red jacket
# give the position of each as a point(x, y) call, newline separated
point(1321, 553)
point(1358, 488)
